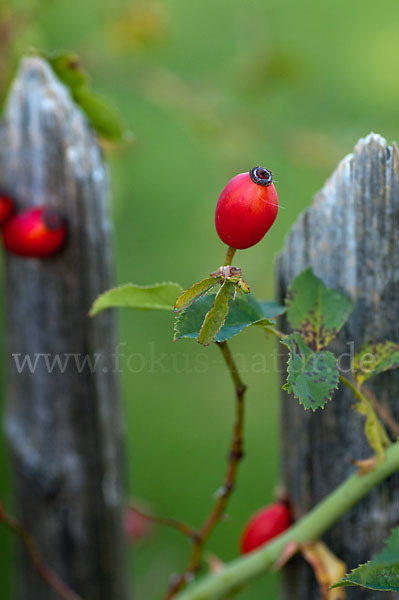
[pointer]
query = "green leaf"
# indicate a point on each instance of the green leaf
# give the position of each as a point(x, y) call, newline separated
point(316, 311)
point(244, 311)
point(381, 573)
point(312, 376)
point(375, 358)
point(102, 115)
point(161, 296)
point(374, 430)
point(271, 309)
point(68, 69)
point(104, 118)
point(194, 292)
point(216, 316)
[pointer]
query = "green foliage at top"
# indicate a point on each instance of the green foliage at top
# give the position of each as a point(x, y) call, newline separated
point(101, 114)
point(381, 573)
point(312, 376)
point(316, 311)
point(244, 311)
point(376, 358)
point(160, 296)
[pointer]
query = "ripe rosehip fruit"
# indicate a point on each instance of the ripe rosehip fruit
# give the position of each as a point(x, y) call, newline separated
point(247, 208)
point(37, 233)
point(6, 207)
point(265, 524)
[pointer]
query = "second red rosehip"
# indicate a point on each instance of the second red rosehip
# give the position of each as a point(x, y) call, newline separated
point(36, 233)
point(264, 525)
point(247, 208)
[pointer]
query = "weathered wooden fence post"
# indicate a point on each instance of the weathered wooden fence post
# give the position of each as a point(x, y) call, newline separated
point(63, 415)
point(350, 236)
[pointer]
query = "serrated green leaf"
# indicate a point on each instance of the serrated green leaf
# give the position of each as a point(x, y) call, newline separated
point(374, 430)
point(161, 296)
point(244, 311)
point(316, 311)
point(103, 117)
point(312, 376)
point(216, 316)
point(375, 358)
point(381, 573)
point(194, 292)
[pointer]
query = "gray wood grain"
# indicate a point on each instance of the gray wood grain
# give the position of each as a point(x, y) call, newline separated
point(63, 424)
point(350, 236)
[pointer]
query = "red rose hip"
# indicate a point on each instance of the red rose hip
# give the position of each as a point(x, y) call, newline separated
point(247, 208)
point(37, 233)
point(264, 525)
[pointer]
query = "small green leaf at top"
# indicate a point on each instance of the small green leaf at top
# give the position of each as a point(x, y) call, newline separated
point(103, 117)
point(193, 293)
point(312, 376)
point(161, 296)
point(216, 316)
point(316, 311)
point(244, 311)
point(68, 69)
point(381, 573)
point(374, 359)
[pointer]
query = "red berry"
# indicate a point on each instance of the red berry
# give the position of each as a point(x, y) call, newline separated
point(247, 208)
point(266, 524)
point(37, 232)
point(6, 208)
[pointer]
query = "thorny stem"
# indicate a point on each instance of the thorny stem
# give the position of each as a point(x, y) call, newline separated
point(235, 455)
point(179, 525)
point(309, 528)
point(33, 551)
point(229, 256)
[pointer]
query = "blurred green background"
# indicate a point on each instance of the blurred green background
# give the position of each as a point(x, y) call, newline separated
point(209, 89)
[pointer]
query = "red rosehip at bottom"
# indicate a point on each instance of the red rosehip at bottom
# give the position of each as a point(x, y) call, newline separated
point(264, 525)
point(37, 233)
point(6, 208)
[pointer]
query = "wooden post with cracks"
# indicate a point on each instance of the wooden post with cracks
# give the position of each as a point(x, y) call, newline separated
point(63, 419)
point(350, 236)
